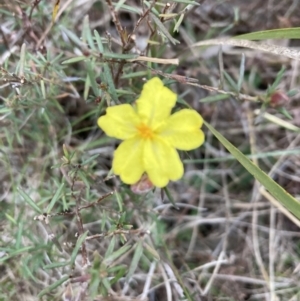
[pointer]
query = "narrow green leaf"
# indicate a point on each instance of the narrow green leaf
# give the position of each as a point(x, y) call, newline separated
point(106, 76)
point(87, 33)
point(111, 247)
point(74, 60)
point(230, 81)
point(29, 201)
point(119, 200)
point(16, 253)
point(85, 162)
point(87, 85)
point(119, 4)
point(134, 74)
point(118, 272)
point(163, 29)
point(152, 251)
point(53, 286)
point(136, 259)
point(92, 76)
point(78, 246)
point(109, 80)
point(273, 154)
point(124, 92)
point(214, 98)
point(116, 254)
point(99, 41)
point(10, 218)
point(120, 56)
point(5, 110)
point(277, 80)
point(285, 113)
point(276, 190)
point(56, 265)
point(282, 33)
point(178, 23)
point(73, 37)
point(170, 197)
point(131, 9)
point(55, 198)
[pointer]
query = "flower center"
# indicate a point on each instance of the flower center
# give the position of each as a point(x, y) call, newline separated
point(145, 131)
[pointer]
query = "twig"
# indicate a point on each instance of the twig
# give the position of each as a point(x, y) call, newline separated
point(193, 82)
point(117, 22)
point(34, 5)
point(139, 21)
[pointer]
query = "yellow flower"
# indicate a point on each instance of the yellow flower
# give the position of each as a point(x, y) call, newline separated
point(151, 135)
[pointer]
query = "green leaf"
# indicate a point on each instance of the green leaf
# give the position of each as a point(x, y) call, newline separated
point(170, 197)
point(106, 76)
point(282, 33)
point(87, 33)
point(116, 254)
point(53, 286)
point(136, 258)
point(214, 98)
point(120, 56)
point(29, 201)
point(230, 81)
point(111, 247)
point(56, 265)
point(277, 80)
point(163, 29)
point(92, 77)
point(285, 113)
point(74, 60)
point(276, 190)
point(55, 197)
point(79, 243)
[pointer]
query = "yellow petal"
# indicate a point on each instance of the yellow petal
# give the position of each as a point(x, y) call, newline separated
point(162, 162)
point(156, 102)
point(119, 122)
point(128, 160)
point(182, 130)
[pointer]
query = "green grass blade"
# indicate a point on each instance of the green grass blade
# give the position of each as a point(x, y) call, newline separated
point(116, 254)
point(111, 247)
point(55, 197)
point(282, 33)
point(53, 286)
point(276, 190)
point(29, 201)
point(136, 259)
point(79, 243)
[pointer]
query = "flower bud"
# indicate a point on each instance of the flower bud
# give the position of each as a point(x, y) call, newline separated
point(279, 99)
point(144, 185)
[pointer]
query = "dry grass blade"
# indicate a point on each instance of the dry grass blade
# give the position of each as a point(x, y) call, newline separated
point(274, 49)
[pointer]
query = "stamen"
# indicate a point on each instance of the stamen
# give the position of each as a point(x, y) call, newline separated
point(145, 131)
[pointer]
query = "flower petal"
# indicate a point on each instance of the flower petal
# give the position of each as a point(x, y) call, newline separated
point(162, 162)
point(119, 122)
point(182, 130)
point(156, 102)
point(128, 160)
